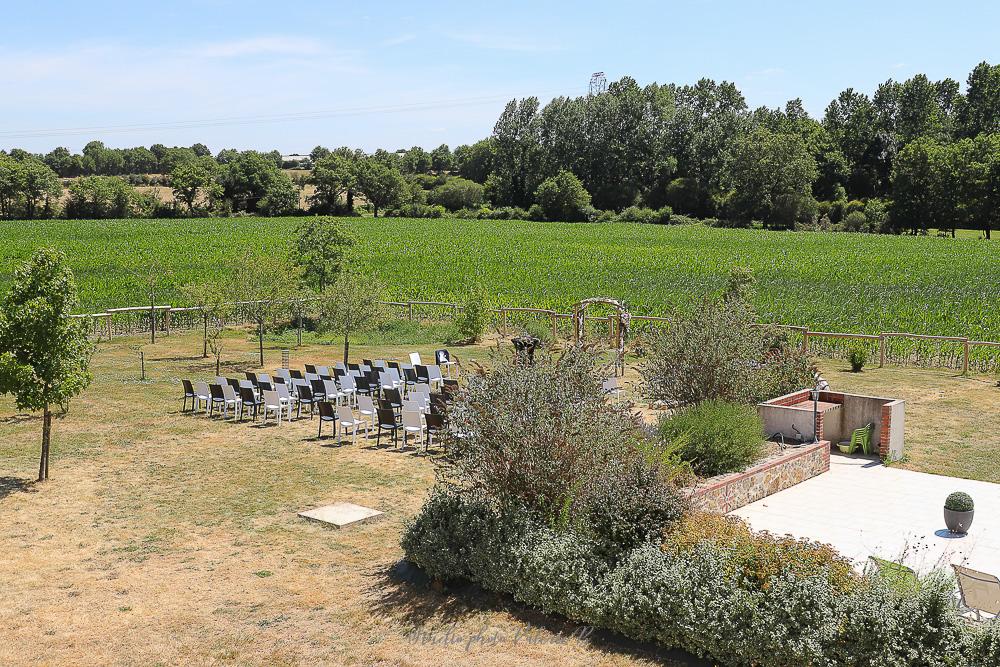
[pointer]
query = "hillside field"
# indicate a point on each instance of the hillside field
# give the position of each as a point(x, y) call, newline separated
point(840, 282)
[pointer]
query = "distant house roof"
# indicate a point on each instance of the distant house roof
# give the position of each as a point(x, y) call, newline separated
point(294, 157)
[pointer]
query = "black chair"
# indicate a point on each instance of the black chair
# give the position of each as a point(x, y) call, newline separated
point(354, 367)
point(318, 389)
point(441, 357)
point(311, 369)
point(423, 374)
point(253, 378)
point(215, 391)
point(296, 374)
point(265, 386)
point(306, 397)
point(395, 364)
point(439, 404)
point(188, 393)
point(435, 424)
point(387, 422)
point(410, 378)
point(394, 397)
point(367, 362)
point(234, 383)
point(326, 414)
point(248, 399)
point(362, 385)
point(339, 372)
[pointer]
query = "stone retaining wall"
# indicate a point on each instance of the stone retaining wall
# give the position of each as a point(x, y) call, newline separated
point(726, 493)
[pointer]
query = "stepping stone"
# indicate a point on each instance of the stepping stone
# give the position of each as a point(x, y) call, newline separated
point(339, 515)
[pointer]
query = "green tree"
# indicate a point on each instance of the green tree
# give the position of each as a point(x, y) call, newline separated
point(212, 301)
point(980, 112)
point(350, 304)
point(320, 245)
point(249, 177)
point(517, 155)
point(11, 174)
point(281, 197)
point(41, 187)
point(381, 184)
point(770, 177)
point(563, 198)
point(913, 186)
point(442, 159)
point(333, 175)
point(475, 162)
point(457, 193)
point(189, 179)
point(44, 354)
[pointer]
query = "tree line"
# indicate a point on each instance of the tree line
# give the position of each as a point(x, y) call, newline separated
point(916, 155)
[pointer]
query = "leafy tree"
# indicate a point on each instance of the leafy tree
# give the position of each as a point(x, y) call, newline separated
point(213, 302)
point(41, 187)
point(11, 173)
point(350, 304)
point(64, 163)
point(563, 198)
point(381, 184)
point(913, 186)
point(980, 112)
point(201, 150)
point(281, 197)
point(250, 176)
point(192, 177)
point(769, 175)
point(475, 162)
point(475, 315)
point(44, 354)
point(517, 156)
point(457, 193)
point(334, 175)
point(442, 159)
point(320, 245)
point(106, 197)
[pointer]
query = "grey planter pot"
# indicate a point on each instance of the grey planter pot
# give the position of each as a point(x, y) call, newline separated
point(958, 522)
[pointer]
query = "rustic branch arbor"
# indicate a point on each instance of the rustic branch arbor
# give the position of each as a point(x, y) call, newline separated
point(618, 324)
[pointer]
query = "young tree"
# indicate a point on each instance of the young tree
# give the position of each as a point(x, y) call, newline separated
point(212, 301)
point(263, 289)
point(44, 355)
point(381, 184)
point(350, 304)
point(563, 198)
point(319, 250)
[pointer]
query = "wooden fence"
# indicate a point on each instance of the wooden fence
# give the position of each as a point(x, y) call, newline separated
point(890, 348)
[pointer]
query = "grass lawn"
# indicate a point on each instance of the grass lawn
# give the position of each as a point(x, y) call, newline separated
point(163, 538)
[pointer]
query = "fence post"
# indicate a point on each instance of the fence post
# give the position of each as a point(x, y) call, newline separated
point(107, 322)
point(409, 307)
point(881, 351)
point(503, 319)
point(552, 316)
point(805, 340)
point(965, 357)
point(166, 322)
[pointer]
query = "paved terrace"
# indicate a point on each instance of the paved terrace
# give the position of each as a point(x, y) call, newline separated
point(864, 508)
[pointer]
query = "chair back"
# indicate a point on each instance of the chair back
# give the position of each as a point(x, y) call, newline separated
point(347, 383)
point(216, 391)
point(305, 393)
point(326, 410)
point(434, 373)
point(228, 393)
point(310, 369)
point(980, 591)
point(353, 367)
point(415, 358)
point(271, 399)
point(330, 388)
point(386, 417)
point(296, 374)
point(247, 396)
point(284, 374)
point(345, 415)
point(442, 356)
point(234, 383)
point(412, 406)
point(410, 375)
point(219, 380)
point(252, 377)
point(423, 373)
point(322, 370)
point(411, 419)
point(318, 388)
point(265, 386)
point(188, 387)
point(264, 377)
point(283, 393)
point(339, 372)
point(434, 422)
point(393, 396)
point(201, 388)
point(366, 405)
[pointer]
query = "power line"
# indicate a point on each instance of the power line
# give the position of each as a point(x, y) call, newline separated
point(265, 118)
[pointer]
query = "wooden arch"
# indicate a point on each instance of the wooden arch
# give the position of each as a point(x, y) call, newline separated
point(620, 325)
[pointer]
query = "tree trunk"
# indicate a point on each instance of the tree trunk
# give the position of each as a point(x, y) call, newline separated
point(152, 321)
point(217, 362)
point(260, 340)
point(204, 349)
point(43, 462)
point(987, 233)
point(347, 346)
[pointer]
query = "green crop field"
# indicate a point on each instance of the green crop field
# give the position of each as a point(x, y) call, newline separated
point(840, 282)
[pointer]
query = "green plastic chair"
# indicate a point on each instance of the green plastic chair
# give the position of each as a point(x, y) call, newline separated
point(860, 438)
point(897, 575)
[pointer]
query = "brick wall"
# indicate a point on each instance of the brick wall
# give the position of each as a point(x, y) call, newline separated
point(726, 493)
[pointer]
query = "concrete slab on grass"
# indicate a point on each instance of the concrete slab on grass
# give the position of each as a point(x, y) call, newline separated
point(339, 515)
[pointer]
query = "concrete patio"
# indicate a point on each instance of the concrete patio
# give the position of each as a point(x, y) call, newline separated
point(864, 508)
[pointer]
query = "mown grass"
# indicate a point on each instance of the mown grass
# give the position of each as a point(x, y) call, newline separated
point(839, 282)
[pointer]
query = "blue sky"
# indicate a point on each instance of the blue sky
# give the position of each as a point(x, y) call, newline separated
point(367, 69)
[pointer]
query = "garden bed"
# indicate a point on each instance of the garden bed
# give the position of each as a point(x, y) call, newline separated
point(725, 493)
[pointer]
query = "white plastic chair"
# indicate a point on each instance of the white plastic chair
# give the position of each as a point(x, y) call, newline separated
point(348, 388)
point(346, 420)
point(415, 359)
point(231, 399)
point(286, 398)
point(272, 403)
point(612, 387)
point(413, 422)
point(323, 370)
point(434, 376)
point(202, 394)
point(332, 392)
point(367, 412)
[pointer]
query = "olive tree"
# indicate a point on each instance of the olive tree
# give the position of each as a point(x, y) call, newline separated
point(44, 354)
